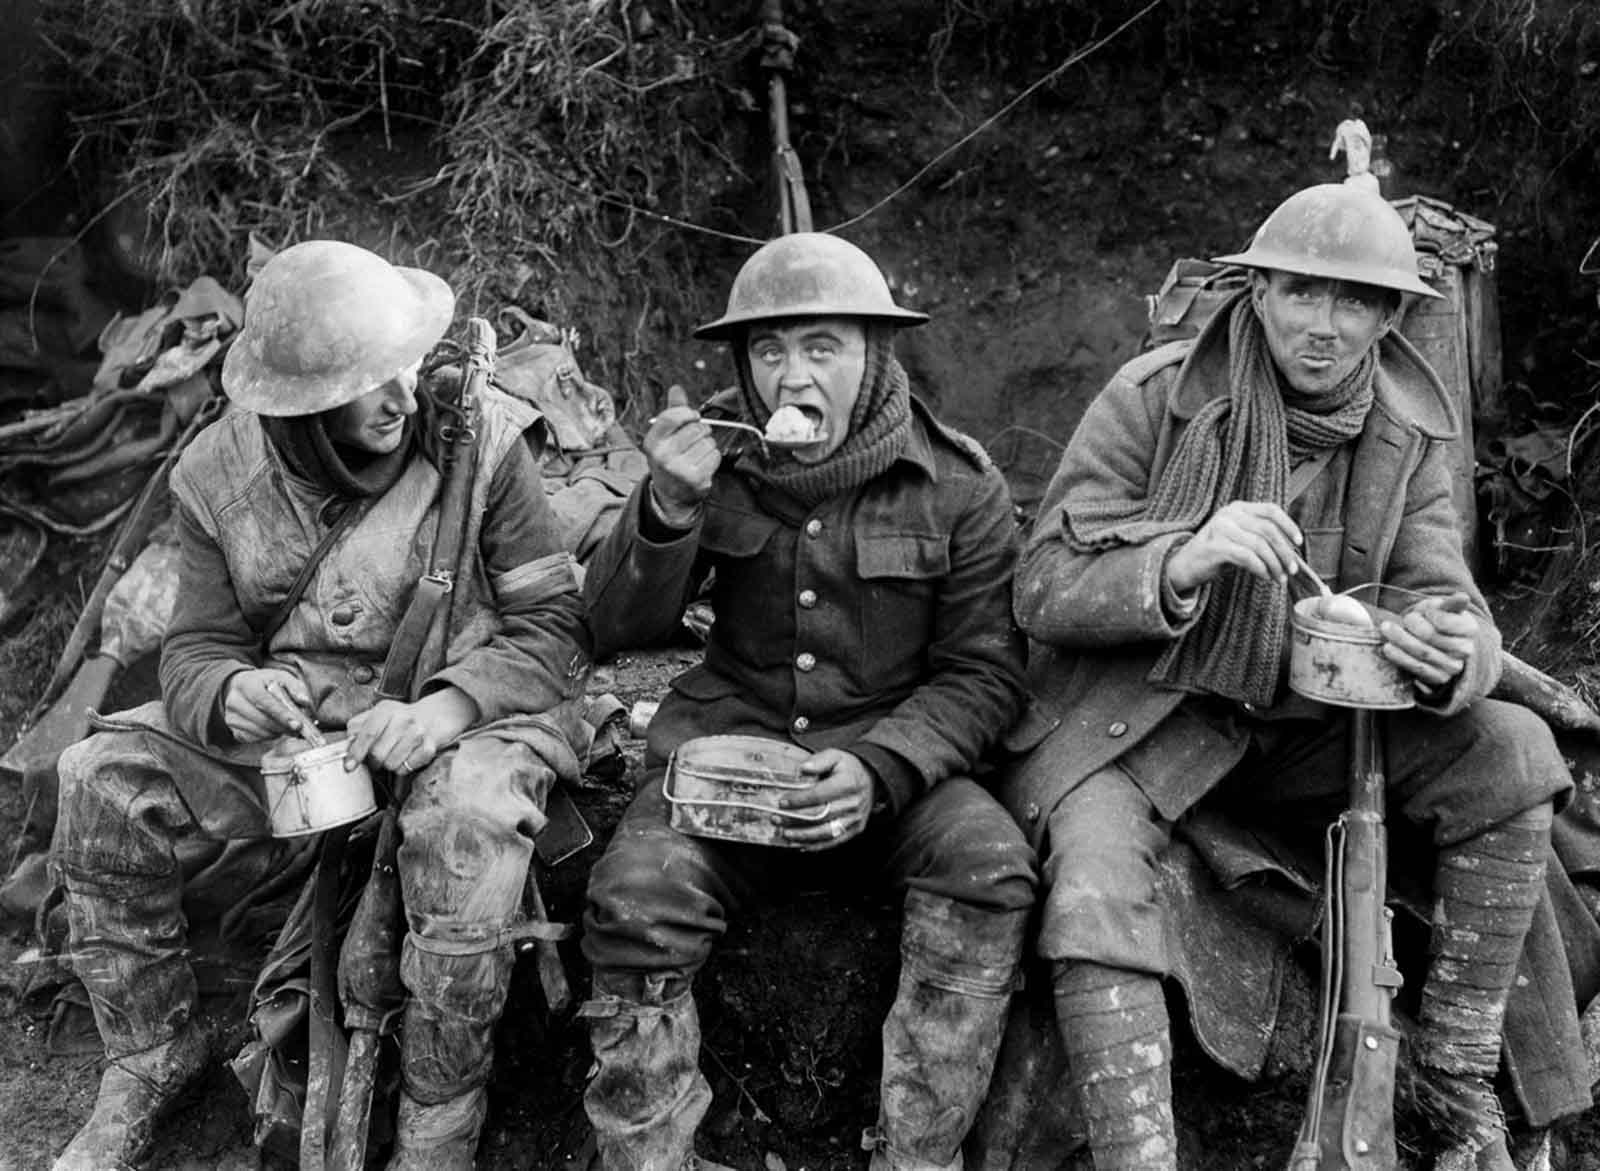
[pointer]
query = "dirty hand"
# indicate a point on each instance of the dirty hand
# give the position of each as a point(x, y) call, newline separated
point(405, 737)
point(1434, 641)
point(683, 457)
point(255, 711)
point(840, 802)
point(1255, 536)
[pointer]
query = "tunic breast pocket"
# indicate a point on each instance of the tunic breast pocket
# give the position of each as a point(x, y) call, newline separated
point(1324, 547)
point(900, 574)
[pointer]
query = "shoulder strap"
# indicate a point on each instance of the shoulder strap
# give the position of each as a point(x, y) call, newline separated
point(296, 591)
point(400, 671)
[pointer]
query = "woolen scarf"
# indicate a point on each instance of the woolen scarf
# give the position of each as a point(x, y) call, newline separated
point(880, 425)
point(346, 471)
point(1239, 446)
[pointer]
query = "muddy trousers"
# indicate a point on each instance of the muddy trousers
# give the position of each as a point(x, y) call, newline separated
point(467, 833)
point(658, 899)
point(1483, 781)
point(958, 965)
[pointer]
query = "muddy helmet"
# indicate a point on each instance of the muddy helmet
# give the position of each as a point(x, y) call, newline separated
point(808, 274)
point(325, 322)
point(1338, 231)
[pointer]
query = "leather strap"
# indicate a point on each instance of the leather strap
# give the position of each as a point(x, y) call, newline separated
point(327, 1045)
point(346, 519)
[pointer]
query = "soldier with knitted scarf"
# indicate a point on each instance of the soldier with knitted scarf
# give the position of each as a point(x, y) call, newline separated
point(861, 592)
point(1154, 588)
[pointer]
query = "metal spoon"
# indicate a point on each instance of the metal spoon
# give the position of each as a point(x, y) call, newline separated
point(300, 721)
point(787, 444)
point(1303, 569)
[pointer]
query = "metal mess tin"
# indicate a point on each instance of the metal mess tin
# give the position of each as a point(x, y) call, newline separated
point(1341, 663)
point(728, 787)
point(310, 791)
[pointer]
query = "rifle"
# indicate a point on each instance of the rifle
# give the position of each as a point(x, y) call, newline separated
point(1349, 1119)
point(55, 727)
point(369, 962)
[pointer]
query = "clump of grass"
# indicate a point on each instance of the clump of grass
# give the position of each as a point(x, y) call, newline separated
point(536, 132)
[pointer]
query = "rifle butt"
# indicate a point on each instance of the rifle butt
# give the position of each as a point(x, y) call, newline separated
point(1356, 1115)
point(67, 720)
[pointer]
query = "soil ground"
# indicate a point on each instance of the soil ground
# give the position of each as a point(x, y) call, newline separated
point(1032, 247)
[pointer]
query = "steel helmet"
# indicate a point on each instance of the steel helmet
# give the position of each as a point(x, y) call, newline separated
point(808, 274)
point(325, 322)
point(1338, 231)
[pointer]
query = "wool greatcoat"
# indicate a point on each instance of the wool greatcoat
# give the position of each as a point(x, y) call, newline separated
point(1379, 510)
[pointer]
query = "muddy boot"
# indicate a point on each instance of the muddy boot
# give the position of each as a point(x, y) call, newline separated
point(646, 1094)
point(958, 964)
point(1117, 1037)
point(135, 1091)
point(440, 1136)
point(127, 937)
point(1485, 893)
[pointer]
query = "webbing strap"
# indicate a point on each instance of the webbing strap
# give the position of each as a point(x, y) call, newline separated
point(494, 941)
point(325, 1061)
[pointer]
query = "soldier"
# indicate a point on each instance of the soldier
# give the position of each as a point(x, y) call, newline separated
point(326, 469)
point(862, 613)
point(1154, 589)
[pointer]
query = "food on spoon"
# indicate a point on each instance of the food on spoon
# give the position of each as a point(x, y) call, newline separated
point(789, 424)
point(1345, 610)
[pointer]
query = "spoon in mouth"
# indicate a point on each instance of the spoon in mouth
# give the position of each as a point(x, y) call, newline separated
point(766, 440)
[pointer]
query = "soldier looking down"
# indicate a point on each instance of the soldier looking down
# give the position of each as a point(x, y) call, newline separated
point(327, 469)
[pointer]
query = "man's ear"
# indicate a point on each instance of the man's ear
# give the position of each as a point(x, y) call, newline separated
point(1391, 321)
point(1259, 283)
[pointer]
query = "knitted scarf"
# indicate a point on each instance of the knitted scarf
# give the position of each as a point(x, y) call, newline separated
point(1239, 446)
point(346, 471)
point(880, 424)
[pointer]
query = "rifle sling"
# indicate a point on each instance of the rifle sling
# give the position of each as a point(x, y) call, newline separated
point(327, 1047)
point(346, 519)
point(400, 667)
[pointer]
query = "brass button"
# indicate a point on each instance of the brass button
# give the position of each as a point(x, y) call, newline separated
point(363, 674)
point(805, 661)
point(343, 616)
point(1033, 811)
point(808, 599)
point(1118, 729)
point(800, 724)
point(813, 527)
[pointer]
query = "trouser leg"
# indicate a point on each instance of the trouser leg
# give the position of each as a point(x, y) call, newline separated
point(657, 901)
point(467, 840)
point(969, 878)
point(958, 965)
point(1485, 891)
point(114, 846)
point(1104, 937)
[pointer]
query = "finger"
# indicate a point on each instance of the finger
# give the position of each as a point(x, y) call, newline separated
point(360, 742)
point(1418, 656)
point(677, 396)
point(1273, 515)
point(293, 686)
point(1440, 632)
point(1427, 669)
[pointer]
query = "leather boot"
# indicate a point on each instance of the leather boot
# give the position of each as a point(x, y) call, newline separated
point(440, 1136)
point(958, 964)
point(646, 1094)
point(1117, 1037)
point(135, 1091)
point(127, 935)
point(1485, 892)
